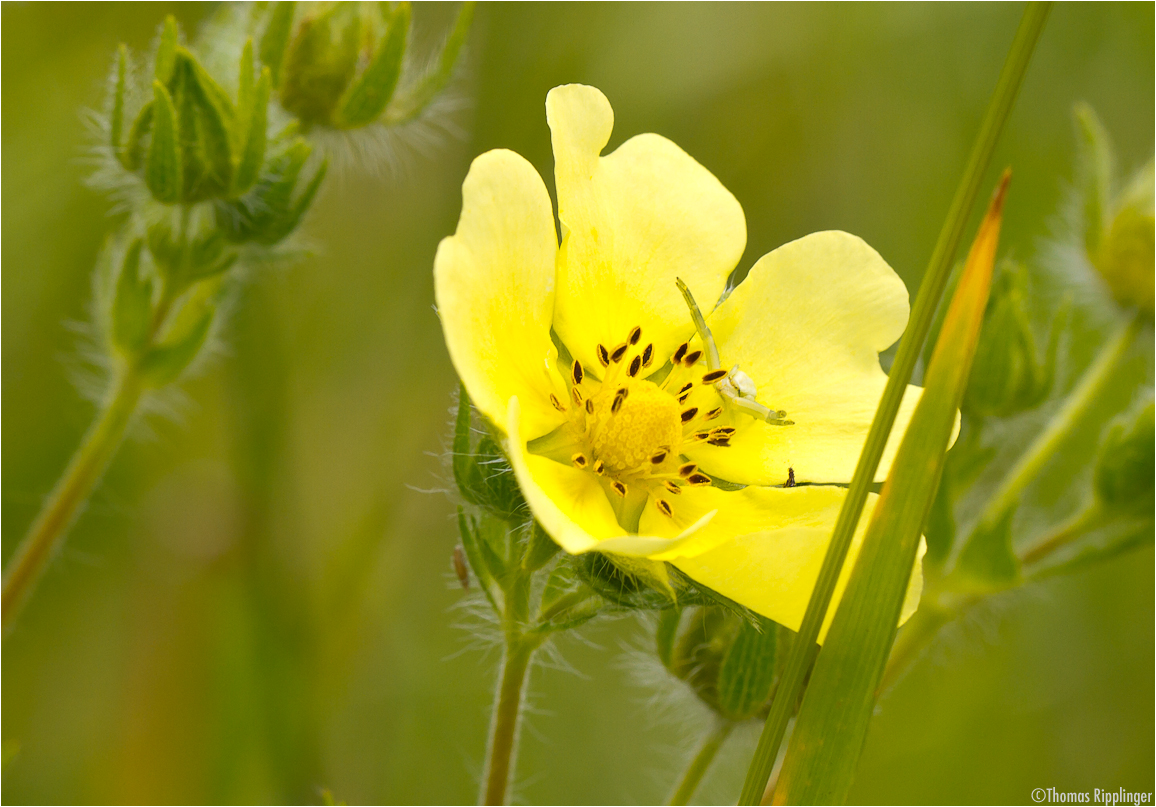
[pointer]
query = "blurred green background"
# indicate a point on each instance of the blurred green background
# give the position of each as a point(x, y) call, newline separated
point(258, 602)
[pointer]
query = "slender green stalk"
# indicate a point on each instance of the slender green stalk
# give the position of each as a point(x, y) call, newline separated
point(84, 471)
point(1062, 423)
point(931, 289)
point(504, 724)
point(700, 763)
point(1064, 534)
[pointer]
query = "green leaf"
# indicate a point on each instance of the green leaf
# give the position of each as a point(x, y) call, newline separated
point(275, 40)
point(165, 362)
point(163, 169)
point(474, 555)
point(253, 154)
point(417, 97)
point(132, 306)
point(748, 670)
point(166, 58)
point(367, 97)
point(116, 119)
point(803, 649)
point(832, 723)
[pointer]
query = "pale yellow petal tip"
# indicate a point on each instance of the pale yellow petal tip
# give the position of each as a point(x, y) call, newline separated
point(580, 118)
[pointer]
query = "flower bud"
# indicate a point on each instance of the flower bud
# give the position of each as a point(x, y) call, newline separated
point(1009, 376)
point(1118, 227)
point(728, 660)
point(1123, 477)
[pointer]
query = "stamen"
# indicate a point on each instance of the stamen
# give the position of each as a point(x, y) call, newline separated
point(579, 460)
point(619, 397)
point(723, 431)
point(712, 414)
point(663, 507)
point(713, 376)
point(682, 398)
point(576, 372)
point(687, 470)
point(686, 387)
point(599, 467)
point(658, 457)
point(678, 354)
point(557, 404)
point(698, 479)
point(700, 435)
point(721, 442)
point(576, 394)
point(672, 486)
point(635, 366)
point(647, 355)
point(603, 355)
point(635, 335)
point(619, 488)
point(689, 414)
point(691, 358)
point(589, 406)
point(618, 353)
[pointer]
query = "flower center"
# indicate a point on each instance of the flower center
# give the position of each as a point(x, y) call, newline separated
point(633, 424)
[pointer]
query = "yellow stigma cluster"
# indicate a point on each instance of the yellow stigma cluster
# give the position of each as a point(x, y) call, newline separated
point(646, 422)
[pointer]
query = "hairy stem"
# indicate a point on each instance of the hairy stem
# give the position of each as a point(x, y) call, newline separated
point(504, 724)
point(1062, 423)
point(701, 762)
point(84, 470)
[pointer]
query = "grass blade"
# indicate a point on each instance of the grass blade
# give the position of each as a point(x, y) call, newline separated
point(939, 268)
point(833, 719)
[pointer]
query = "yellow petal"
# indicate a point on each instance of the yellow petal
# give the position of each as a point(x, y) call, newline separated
point(572, 507)
point(494, 284)
point(632, 222)
point(807, 325)
point(765, 546)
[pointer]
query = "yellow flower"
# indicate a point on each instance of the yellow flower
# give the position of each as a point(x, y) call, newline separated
point(622, 422)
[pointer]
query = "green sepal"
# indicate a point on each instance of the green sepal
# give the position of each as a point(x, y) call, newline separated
point(540, 549)
point(215, 120)
point(164, 363)
point(268, 213)
point(473, 551)
point(617, 585)
point(665, 633)
point(1095, 163)
point(369, 94)
point(317, 70)
point(163, 168)
point(116, 118)
point(566, 601)
point(132, 306)
point(245, 86)
point(166, 58)
point(747, 674)
point(253, 153)
point(466, 474)
point(132, 155)
point(275, 40)
point(410, 104)
point(1123, 479)
point(988, 562)
point(498, 489)
point(698, 652)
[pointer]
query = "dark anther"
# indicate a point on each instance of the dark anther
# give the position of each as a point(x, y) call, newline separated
point(724, 431)
point(721, 442)
point(618, 353)
point(689, 414)
point(658, 457)
point(619, 397)
point(687, 470)
point(557, 404)
point(579, 460)
point(672, 486)
point(712, 414)
point(686, 387)
point(691, 358)
point(619, 488)
point(599, 467)
point(635, 335)
point(713, 376)
point(576, 394)
point(589, 407)
point(603, 355)
point(698, 479)
point(678, 354)
point(700, 435)
point(576, 371)
point(635, 366)
point(682, 398)
point(663, 506)
point(647, 355)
